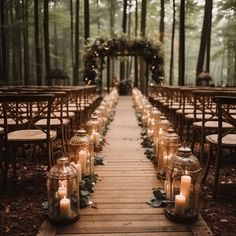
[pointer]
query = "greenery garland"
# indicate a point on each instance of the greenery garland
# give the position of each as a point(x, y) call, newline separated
point(150, 51)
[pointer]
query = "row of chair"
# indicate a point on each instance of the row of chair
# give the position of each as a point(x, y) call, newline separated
point(207, 112)
point(39, 115)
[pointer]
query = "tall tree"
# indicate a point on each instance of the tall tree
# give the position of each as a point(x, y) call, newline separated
point(26, 42)
point(4, 65)
point(72, 35)
point(112, 16)
point(76, 66)
point(181, 77)
point(162, 22)
point(46, 38)
point(143, 17)
point(86, 21)
point(172, 46)
point(136, 19)
point(205, 38)
point(37, 43)
point(124, 20)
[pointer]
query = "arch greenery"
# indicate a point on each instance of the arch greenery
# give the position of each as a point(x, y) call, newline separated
point(101, 48)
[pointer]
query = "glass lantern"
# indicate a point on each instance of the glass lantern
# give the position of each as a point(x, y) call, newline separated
point(168, 146)
point(182, 186)
point(161, 127)
point(93, 127)
point(63, 192)
point(81, 152)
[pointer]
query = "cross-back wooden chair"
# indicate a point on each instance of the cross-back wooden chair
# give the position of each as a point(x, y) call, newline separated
point(207, 123)
point(226, 110)
point(26, 110)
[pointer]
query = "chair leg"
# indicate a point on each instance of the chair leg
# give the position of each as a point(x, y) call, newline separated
point(193, 139)
point(210, 152)
point(217, 173)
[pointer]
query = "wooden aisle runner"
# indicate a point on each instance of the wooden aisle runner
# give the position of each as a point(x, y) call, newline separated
point(125, 185)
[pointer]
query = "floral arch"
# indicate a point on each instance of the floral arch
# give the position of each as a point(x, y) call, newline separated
point(94, 55)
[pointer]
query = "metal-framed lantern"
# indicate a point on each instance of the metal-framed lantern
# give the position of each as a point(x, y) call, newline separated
point(81, 152)
point(93, 127)
point(168, 146)
point(182, 186)
point(161, 127)
point(63, 193)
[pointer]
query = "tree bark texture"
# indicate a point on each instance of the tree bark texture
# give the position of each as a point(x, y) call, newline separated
point(86, 21)
point(182, 44)
point(171, 79)
point(76, 66)
point(46, 39)
point(124, 21)
point(162, 22)
point(205, 37)
point(143, 18)
point(37, 44)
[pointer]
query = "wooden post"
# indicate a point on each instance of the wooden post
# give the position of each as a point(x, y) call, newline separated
point(108, 74)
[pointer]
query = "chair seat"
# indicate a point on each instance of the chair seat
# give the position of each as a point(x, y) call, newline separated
point(29, 135)
point(64, 114)
point(187, 111)
point(1, 130)
point(227, 140)
point(212, 124)
point(53, 122)
point(199, 117)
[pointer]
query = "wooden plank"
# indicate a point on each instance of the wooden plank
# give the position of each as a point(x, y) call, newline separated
point(137, 234)
point(138, 229)
point(92, 211)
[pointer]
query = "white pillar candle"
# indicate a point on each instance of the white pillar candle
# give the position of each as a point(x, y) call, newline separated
point(179, 204)
point(78, 167)
point(62, 192)
point(83, 160)
point(96, 138)
point(185, 185)
point(65, 208)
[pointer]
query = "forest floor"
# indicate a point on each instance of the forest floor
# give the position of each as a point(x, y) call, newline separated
point(22, 212)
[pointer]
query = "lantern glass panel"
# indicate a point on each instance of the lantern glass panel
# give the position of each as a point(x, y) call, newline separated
point(183, 186)
point(81, 151)
point(63, 192)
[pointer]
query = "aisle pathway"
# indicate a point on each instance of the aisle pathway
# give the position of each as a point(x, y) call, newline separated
point(126, 184)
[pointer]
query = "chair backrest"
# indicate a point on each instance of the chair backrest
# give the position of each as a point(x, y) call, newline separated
point(26, 110)
point(226, 107)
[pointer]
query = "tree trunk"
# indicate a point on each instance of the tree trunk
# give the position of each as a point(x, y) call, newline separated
point(4, 67)
point(143, 17)
point(72, 35)
point(205, 36)
point(112, 16)
point(171, 79)
point(208, 51)
point(37, 45)
point(26, 44)
point(76, 67)
point(182, 43)
point(162, 22)
point(46, 39)
point(143, 32)
point(124, 21)
point(136, 19)
point(86, 21)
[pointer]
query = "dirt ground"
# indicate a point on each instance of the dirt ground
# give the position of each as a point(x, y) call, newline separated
point(22, 212)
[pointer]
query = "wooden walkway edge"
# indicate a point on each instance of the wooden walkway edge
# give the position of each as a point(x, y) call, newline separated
point(125, 185)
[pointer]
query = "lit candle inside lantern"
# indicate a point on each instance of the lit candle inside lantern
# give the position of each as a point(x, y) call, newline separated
point(95, 137)
point(78, 167)
point(83, 160)
point(167, 189)
point(180, 201)
point(185, 186)
point(62, 192)
point(65, 208)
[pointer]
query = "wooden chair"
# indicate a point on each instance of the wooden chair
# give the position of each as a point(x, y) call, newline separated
point(207, 122)
point(26, 110)
point(223, 138)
